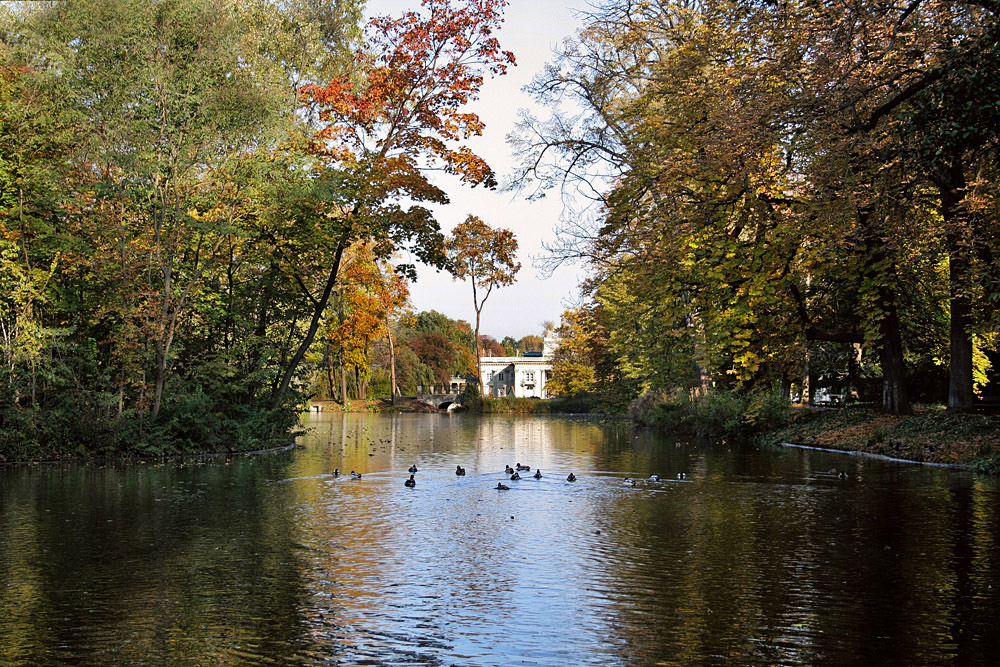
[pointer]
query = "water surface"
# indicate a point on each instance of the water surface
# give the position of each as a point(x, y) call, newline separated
point(760, 556)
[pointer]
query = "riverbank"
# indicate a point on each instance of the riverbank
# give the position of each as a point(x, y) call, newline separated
point(506, 405)
point(931, 435)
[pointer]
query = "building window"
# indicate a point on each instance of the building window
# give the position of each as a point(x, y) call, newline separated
point(529, 376)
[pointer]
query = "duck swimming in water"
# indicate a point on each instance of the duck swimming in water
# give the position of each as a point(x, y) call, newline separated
point(336, 472)
point(654, 478)
point(502, 487)
point(509, 470)
point(682, 475)
point(355, 475)
point(841, 475)
point(628, 481)
point(521, 467)
point(515, 477)
point(571, 477)
point(413, 468)
point(459, 470)
point(410, 482)
point(538, 474)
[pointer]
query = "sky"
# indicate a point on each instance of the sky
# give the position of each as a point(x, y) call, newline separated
point(532, 30)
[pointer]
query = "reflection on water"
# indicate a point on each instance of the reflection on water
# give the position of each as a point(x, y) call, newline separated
point(758, 557)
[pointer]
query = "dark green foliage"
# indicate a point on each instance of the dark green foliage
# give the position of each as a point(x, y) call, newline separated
point(990, 466)
point(718, 413)
point(147, 207)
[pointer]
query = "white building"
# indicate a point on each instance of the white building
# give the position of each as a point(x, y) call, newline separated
point(525, 376)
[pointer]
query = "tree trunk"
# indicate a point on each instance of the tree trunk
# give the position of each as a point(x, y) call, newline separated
point(895, 398)
point(852, 391)
point(392, 362)
point(361, 385)
point(476, 349)
point(951, 186)
point(319, 307)
point(329, 373)
point(806, 397)
point(161, 378)
point(344, 400)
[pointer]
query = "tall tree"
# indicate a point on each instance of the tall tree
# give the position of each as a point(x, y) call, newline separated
point(382, 129)
point(751, 171)
point(487, 258)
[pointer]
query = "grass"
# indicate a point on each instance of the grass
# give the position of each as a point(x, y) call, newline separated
point(511, 405)
point(932, 434)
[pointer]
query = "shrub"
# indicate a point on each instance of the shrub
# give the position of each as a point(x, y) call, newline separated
point(472, 398)
point(718, 413)
point(988, 466)
point(768, 410)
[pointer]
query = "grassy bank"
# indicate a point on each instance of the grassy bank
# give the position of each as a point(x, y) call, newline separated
point(932, 434)
point(511, 405)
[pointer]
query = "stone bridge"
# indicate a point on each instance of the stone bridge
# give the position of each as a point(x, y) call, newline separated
point(418, 403)
point(439, 401)
point(428, 401)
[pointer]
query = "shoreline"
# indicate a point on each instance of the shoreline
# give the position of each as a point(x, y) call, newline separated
point(931, 435)
point(159, 458)
point(882, 457)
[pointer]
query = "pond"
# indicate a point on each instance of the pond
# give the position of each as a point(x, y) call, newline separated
point(758, 556)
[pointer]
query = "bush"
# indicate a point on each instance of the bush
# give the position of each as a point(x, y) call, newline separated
point(989, 466)
point(718, 413)
point(512, 405)
point(472, 398)
point(768, 410)
point(581, 403)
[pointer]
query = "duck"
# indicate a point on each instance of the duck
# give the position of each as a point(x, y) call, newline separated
point(459, 470)
point(336, 472)
point(538, 474)
point(628, 481)
point(654, 478)
point(355, 475)
point(509, 470)
point(410, 482)
point(521, 467)
point(842, 475)
point(502, 487)
point(413, 468)
point(571, 477)
point(682, 475)
point(515, 477)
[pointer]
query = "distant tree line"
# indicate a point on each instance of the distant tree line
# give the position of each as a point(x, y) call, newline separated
point(428, 349)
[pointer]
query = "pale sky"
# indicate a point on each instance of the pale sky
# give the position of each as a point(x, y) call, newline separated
point(532, 30)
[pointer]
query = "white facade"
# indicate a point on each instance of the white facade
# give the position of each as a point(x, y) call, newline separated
point(522, 377)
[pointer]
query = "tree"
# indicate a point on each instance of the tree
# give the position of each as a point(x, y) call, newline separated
point(510, 345)
point(490, 347)
point(531, 343)
point(369, 294)
point(753, 173)
point(157, 191)
point(437, 353)
point(487, 258)
point(383, 128)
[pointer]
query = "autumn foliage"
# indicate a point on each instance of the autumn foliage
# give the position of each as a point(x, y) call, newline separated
point(783, 196)
point(205, 205)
